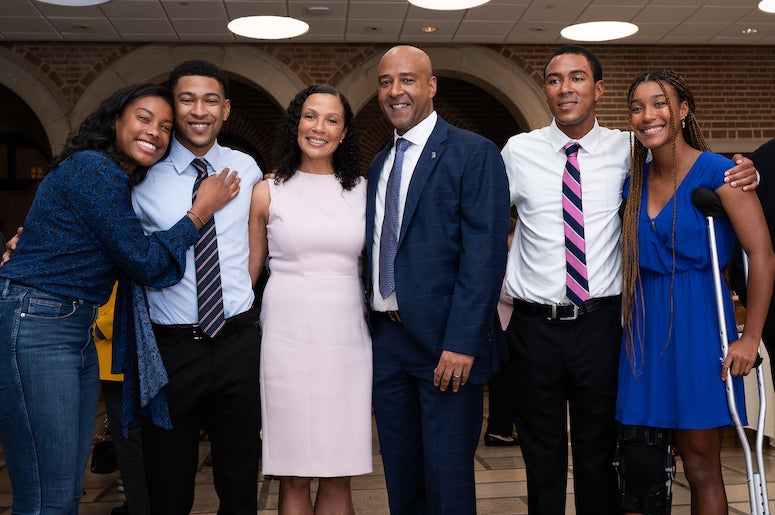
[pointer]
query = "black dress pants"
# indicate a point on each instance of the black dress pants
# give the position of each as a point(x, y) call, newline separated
point(213, 384)
point(560, 367)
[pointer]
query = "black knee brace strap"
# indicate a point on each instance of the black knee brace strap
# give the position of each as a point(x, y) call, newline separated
point(645, 466)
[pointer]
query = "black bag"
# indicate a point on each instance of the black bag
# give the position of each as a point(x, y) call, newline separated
point(103, 454)
point(103, 457)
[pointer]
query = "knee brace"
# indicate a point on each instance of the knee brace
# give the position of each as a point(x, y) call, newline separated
point(645, 467)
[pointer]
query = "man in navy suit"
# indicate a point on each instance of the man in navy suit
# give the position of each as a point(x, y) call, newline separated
point(433, 290)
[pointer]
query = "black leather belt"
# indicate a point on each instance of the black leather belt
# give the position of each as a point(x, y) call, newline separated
point(393, 316)
point(186, 332)
point(563, 311)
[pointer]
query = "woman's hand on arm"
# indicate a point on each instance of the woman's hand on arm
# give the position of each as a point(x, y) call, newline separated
point(259, 215)
point(745, 213)
point(214, 193)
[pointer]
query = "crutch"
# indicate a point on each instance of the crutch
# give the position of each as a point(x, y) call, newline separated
point(710, 206)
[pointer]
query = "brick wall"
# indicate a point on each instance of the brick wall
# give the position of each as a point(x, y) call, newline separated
point(733, 86)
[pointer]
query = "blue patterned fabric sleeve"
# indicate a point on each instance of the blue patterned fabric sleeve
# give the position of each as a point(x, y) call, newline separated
point(157, 260)
point(81, 230)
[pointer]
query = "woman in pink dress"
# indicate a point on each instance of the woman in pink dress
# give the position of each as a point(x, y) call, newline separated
point(316, 352)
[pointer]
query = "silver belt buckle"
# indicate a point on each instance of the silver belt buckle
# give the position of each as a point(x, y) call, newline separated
point(574, 316)
point(197, 334)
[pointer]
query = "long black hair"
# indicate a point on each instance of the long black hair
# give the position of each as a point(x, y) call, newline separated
point(346, 155)
point(98, 130)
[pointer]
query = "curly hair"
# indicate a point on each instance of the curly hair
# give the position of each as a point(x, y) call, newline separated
point(691, 133)
point(98, 130)
point(198, 68)
point(346, 155)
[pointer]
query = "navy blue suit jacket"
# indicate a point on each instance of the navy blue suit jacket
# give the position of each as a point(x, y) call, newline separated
point(452, 248)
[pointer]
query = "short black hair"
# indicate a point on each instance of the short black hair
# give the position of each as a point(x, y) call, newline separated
point(201, 69)
point(594, 62)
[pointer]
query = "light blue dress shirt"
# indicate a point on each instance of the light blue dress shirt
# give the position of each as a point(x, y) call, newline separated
point(159, 201)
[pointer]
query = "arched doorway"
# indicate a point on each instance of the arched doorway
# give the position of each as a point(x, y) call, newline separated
point(24, 155)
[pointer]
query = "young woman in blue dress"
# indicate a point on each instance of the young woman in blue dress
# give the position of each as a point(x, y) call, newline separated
point(671, 374)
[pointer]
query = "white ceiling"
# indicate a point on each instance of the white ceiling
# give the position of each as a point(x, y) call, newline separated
point(661, 22)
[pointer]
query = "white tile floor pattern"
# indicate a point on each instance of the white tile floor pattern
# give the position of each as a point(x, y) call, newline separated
point(500, 477)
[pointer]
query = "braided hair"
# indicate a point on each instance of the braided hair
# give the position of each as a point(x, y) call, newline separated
point(691, 133)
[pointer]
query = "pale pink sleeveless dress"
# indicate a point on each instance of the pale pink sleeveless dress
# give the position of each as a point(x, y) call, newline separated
point(316, 367)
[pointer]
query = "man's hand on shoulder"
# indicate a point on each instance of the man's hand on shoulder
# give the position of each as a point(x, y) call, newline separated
point(743, 174)
point(10, 246)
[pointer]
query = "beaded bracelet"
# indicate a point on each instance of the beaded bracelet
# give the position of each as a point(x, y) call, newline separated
point(197, 217)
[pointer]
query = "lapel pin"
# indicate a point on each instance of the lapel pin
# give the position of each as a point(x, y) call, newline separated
point(433, 155)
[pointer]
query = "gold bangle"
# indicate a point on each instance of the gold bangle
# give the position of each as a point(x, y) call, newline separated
point(197, 217)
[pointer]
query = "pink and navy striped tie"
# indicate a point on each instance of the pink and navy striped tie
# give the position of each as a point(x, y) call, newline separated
point(576, 279)
point(209, 293)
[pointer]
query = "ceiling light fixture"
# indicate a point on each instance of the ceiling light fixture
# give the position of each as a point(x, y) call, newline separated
point(429, 29)
point(74, 3)
point(318, 10)
point(268, 27)
point(599, 31)
point(749, 30)
point(447, 5)
point(767, 6)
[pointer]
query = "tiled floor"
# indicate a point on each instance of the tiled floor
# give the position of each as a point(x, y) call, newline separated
point(500, 476)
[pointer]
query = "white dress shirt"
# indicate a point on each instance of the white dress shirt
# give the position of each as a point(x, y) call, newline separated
point(164, 197)
point(535, 161)
point(418, 137)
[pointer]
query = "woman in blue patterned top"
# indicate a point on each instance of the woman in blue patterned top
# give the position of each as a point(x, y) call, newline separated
point(79, 236)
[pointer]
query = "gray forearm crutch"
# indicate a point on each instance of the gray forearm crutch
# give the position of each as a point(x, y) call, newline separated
point(710, 206)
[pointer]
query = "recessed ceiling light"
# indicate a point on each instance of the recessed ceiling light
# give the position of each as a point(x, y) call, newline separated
point(767, 6)
point(74, 3)
point(749, 30)
point(447, 5)
point(429, 28)
point(599, 31)
point(268, 27)
point(318, 10)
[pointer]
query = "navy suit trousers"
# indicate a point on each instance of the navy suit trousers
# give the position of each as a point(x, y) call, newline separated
point(428, 437)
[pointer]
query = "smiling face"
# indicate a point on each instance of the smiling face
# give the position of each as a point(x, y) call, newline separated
point(406, 87)
point(143, 131)
point(572, 92)
point(650, 114)
point(200, 110)
point(321, 130)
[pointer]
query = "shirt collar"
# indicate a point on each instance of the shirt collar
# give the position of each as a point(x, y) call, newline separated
point(181, 157)
point(588, 142)
point(419, 134)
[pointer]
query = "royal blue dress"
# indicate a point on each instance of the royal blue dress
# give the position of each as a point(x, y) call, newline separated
point(675, 382)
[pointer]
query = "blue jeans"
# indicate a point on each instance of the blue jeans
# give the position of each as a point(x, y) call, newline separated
point(49, 383)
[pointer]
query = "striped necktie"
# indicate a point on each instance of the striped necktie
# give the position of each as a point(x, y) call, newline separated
point(576, 280)
point(388, 240)
point(209, 293)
